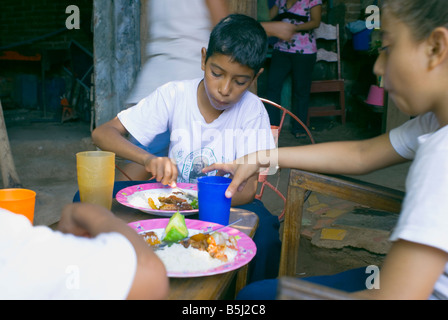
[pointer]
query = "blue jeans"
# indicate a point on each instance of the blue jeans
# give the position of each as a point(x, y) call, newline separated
point(267, 239)
point(300, 66)
point(349, 281)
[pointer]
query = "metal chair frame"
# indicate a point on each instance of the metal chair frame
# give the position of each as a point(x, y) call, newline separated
point(262, 177)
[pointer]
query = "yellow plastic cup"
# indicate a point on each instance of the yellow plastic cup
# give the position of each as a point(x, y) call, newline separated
point(20, 201)
point(96, 176)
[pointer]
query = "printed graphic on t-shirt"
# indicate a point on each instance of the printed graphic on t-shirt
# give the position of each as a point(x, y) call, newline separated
point(194, 163)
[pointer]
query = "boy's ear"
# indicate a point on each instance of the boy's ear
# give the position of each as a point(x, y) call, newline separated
point(253, 86)
point(438, 47)
point(258, 74)
point(203, 58)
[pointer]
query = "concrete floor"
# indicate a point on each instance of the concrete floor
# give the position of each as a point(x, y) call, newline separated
point(44, 155)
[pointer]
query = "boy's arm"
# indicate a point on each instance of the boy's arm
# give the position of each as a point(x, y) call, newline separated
point(82, 219)
point(111, 136)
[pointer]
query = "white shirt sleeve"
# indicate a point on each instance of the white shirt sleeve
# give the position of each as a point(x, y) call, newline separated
point(39, 263)
point(404, 138)
point(423, 216)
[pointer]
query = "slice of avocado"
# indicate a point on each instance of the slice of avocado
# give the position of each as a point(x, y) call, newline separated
point(176, 229)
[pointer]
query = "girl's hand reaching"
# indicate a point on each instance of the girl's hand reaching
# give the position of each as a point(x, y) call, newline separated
point(240, 170)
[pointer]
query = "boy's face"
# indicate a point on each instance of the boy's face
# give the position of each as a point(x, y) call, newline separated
point(225, 81)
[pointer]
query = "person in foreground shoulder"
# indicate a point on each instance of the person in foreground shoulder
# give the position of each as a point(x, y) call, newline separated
point(92, 256)
point(414, 33)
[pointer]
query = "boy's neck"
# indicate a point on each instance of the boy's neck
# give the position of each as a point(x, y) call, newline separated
point(209, 113)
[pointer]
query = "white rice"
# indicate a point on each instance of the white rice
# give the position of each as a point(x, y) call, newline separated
point(178, 259)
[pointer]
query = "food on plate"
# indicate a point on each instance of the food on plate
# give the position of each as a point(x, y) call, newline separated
point(176, 228)
point(181, 260)
point(200, 251)
point(216, 244)
point(172, 202)
point(151, 238)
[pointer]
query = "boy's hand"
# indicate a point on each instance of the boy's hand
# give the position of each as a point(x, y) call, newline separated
point(163, 169)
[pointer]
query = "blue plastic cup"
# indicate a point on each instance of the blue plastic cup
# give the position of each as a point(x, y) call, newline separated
point(214, 206)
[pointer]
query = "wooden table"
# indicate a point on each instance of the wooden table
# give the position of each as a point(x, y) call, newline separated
point(200, 288)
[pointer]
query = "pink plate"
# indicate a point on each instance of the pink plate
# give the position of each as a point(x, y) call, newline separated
point(246, 247)
point(136, 197)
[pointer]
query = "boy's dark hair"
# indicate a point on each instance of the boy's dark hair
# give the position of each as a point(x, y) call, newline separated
point(242, 38)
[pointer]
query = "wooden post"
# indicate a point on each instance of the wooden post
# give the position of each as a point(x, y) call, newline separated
point(248, 7)
point(9, 173)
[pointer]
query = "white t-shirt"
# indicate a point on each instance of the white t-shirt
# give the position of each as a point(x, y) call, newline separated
point(424, 215)
point(239, 130)
point(39, 263)
point(177, 31)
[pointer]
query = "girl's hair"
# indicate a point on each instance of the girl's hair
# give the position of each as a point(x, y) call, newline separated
point(422, 16)
point(242, 38)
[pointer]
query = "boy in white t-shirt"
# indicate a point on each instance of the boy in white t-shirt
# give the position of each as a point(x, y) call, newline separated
point(93, 255)
point(214, 119)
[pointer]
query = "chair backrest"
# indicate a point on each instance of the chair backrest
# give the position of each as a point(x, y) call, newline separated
point(276, 131)
point(284, 113)
point(330, 33)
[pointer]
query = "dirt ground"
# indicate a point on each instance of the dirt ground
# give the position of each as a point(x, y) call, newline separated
point(44, 155)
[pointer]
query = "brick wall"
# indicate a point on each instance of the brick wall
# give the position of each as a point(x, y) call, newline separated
point(352, 7)
point(23, 20)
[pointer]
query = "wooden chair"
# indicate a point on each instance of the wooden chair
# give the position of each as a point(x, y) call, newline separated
point(276, 130)
point(290, 288)
point(329, 33)
point(300, 182)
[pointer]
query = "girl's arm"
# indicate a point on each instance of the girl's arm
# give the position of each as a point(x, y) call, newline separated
point(285, 30)
point(218, 10)
point(342, 157)
point(246, 195)
point(409, 272)
point(315, 18)
point(273, 11)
